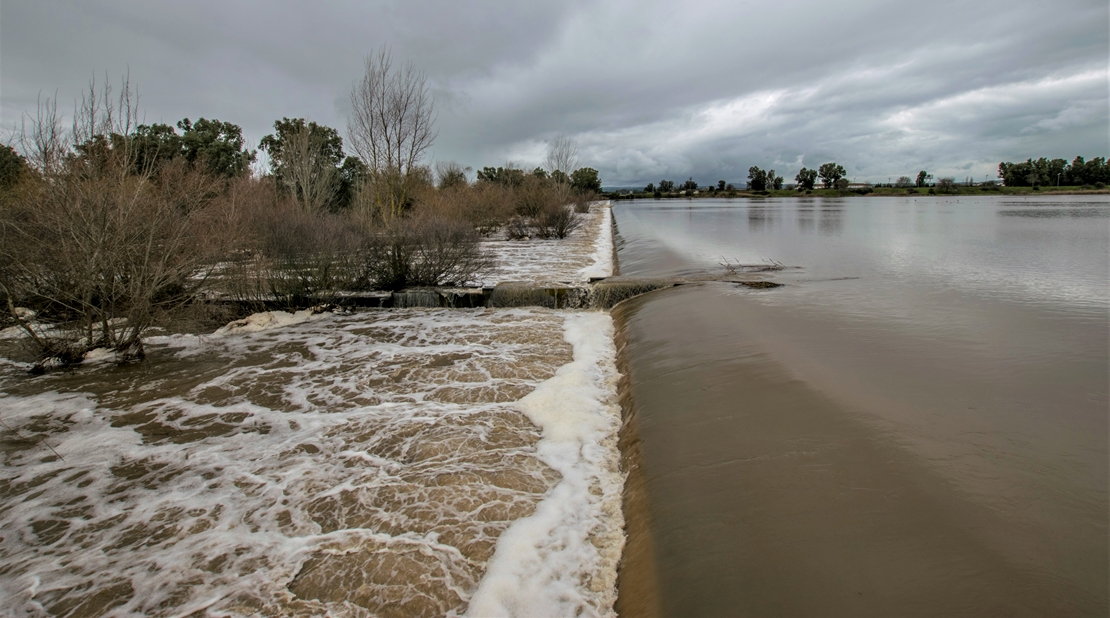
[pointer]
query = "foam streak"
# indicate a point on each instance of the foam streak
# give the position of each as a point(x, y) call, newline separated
point(562, 560)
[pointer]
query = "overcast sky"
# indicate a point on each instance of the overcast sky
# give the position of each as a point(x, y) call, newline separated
point(650, 89)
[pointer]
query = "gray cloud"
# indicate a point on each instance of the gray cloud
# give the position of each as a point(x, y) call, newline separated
point(650, 89)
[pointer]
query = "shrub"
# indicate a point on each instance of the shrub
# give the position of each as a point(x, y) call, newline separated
point(519, 228)
point(486, 206)
point(534, 195)
point(294, 257)
point(557, 221)
point(423, 250)
point(102, 252)
point(582, 202)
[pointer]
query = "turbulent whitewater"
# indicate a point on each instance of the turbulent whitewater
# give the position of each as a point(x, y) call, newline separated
point(384, 463)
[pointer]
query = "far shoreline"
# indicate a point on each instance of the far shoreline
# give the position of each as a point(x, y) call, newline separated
point(963, 191)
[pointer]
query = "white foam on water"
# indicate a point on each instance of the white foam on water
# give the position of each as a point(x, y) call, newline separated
point(603, 247)
point(329, 467)
point(562, 560)
point(564, 260)
point(267, 320)
point(99, 355)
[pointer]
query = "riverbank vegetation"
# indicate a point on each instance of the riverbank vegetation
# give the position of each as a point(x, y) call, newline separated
point(1055, 175)
point(109, 227)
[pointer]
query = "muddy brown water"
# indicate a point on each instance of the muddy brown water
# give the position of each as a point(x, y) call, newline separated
point(914, 425)
point(360, 465)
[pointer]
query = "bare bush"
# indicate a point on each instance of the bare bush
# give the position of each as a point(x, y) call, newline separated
point(451, 175)
point(102, 256)
point(557, 221)
point(903, 182)
point(384, 195)
point(293, 257)
point(43, 139)
point(583, 200)
point(423, 250)
point(533, 195)
point(101, 248)
point(946, 185)
point(519, 228)
point(486, 206)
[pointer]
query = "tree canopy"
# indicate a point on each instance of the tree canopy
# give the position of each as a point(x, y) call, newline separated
point(830, 173)
point(508, 176)
point(757, 179)
point(216, 145)
point(326, 139)
point(806, 178)
point(12, 166)
point(585, 179)
point(1044, 171)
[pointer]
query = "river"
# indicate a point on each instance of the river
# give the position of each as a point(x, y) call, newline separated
point(915, 423)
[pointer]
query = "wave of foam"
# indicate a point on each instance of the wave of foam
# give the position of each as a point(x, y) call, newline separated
point(562, 560)
point(603, 247)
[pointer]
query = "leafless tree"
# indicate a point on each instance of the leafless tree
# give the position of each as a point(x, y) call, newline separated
point(562, 155)
point(451, 175)
point(42, 138)
point(308, 173)
point(391, 125)
point(101, 114)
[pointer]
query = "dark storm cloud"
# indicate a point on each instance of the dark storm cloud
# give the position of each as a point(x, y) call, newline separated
point(649, 89)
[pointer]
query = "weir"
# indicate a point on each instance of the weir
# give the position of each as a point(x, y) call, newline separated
point(600, 293)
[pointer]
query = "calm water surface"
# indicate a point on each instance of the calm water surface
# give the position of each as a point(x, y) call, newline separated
point(915, 424)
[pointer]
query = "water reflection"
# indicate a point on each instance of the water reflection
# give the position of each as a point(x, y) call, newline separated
point(832, 220)
point(1050, 213)
point(806, 221)
point(764, 216)
point(915, 423)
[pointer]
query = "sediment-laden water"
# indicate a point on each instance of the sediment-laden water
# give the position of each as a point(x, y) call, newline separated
point(914, 424)
point(388, 463)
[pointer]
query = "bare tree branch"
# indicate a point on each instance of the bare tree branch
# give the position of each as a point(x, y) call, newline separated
point(562, 155)
point(392, 124)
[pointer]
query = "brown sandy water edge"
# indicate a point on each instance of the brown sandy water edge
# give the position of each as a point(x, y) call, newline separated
point(752, 490)
point(637, 584)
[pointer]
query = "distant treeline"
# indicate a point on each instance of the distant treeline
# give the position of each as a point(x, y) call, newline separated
point(1044, 171)
point(1030, 173)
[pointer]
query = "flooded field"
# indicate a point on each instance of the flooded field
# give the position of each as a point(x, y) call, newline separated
point(388, 463)
point(915, 424)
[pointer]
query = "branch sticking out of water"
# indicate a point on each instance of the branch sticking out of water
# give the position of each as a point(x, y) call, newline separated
point(733, 267)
